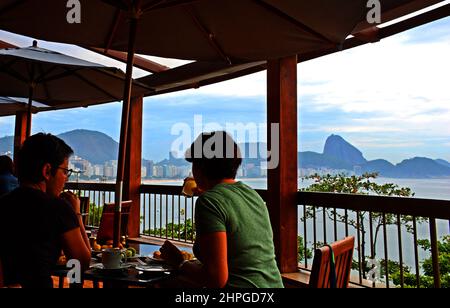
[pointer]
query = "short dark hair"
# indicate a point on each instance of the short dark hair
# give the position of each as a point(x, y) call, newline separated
point(6, 165)
point(216, 155)
point(38, 150)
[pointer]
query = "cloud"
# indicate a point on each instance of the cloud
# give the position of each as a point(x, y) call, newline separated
point(384, 144)
point(6, 126)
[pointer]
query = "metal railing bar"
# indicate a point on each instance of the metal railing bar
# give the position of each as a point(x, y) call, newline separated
point(400, 251)
point(386, 258)
point(435, 253)
point(416, 253)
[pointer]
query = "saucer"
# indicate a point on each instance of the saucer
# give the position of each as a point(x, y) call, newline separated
point(154, 268)
point(101, 267)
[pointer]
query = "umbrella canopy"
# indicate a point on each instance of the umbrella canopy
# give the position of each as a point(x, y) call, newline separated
point(209, 30)
point(58, 79)
point(9, 106)
point(219, 30)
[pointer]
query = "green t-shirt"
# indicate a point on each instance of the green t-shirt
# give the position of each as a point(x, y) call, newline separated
point(238, 210)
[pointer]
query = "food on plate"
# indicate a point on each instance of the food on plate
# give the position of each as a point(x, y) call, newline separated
point(157, 254)
point(187, 255)
point(97, 247)
point(62, 260)
point(130, 252)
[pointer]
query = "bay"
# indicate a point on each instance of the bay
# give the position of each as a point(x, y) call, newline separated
point(423, 188)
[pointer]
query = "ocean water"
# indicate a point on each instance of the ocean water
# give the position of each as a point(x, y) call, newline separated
point(423, 188)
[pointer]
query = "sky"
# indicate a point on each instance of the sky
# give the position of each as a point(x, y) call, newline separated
point(390, 99)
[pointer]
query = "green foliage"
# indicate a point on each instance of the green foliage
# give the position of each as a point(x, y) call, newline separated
point(426, 279)
point(95, 213)
point(361, 184)
point(301, 250)
point(365, 185)
point(180, 231)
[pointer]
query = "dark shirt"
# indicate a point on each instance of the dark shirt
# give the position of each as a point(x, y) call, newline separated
point(8, 183)
point(31, 225)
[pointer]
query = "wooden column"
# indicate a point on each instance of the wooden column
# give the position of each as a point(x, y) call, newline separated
point(282, 181)
point(20, 132)
point(133, 161)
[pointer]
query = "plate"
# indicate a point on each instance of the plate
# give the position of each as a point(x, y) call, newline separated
point(98, 255)
point(154, 268)
point(100, 266)
point(160, 260)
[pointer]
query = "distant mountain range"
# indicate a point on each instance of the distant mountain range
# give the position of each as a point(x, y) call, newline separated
point(93, 146)
point(338, 154)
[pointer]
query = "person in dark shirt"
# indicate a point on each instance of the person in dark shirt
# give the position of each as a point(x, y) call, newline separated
point(37, 222)
point(8, 182)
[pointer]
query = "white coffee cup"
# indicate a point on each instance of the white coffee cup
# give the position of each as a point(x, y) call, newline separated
point(112, 258)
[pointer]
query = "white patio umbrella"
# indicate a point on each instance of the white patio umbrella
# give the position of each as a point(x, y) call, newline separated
point(11, 105)
point(58, 80)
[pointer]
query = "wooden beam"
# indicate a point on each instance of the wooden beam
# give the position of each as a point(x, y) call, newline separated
point(397, 12)
point(282, 180)
point(4, 44)
point(139, 62)
point(133, 164)
point(20, 132)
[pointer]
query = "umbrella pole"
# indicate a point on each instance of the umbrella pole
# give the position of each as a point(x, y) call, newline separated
point(30, 105)
point(124, 129)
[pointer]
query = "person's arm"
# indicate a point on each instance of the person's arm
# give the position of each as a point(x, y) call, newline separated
point(213, 271)
point(74, 247)
point(75, 202)
point(76, 242)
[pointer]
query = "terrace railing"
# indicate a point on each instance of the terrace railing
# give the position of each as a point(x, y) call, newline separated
point(385, 228)
point(98, 193)
point(166, 213)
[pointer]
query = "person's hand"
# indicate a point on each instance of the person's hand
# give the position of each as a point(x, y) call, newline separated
point(72, 199)
point(196, 191)
point(171, 254)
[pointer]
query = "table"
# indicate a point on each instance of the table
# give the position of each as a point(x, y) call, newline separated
point(126, 278)
point(129, 277)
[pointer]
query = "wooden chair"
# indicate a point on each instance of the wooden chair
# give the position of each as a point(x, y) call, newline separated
point(106, 228)
point(322, 268)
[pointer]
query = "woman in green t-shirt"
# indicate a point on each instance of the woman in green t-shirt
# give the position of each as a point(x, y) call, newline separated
point(234, 240)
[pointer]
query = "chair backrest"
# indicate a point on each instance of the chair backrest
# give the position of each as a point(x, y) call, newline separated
point(343, 255)
point(106, 228)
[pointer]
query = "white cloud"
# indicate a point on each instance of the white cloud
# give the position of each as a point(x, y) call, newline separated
point(384, 144)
